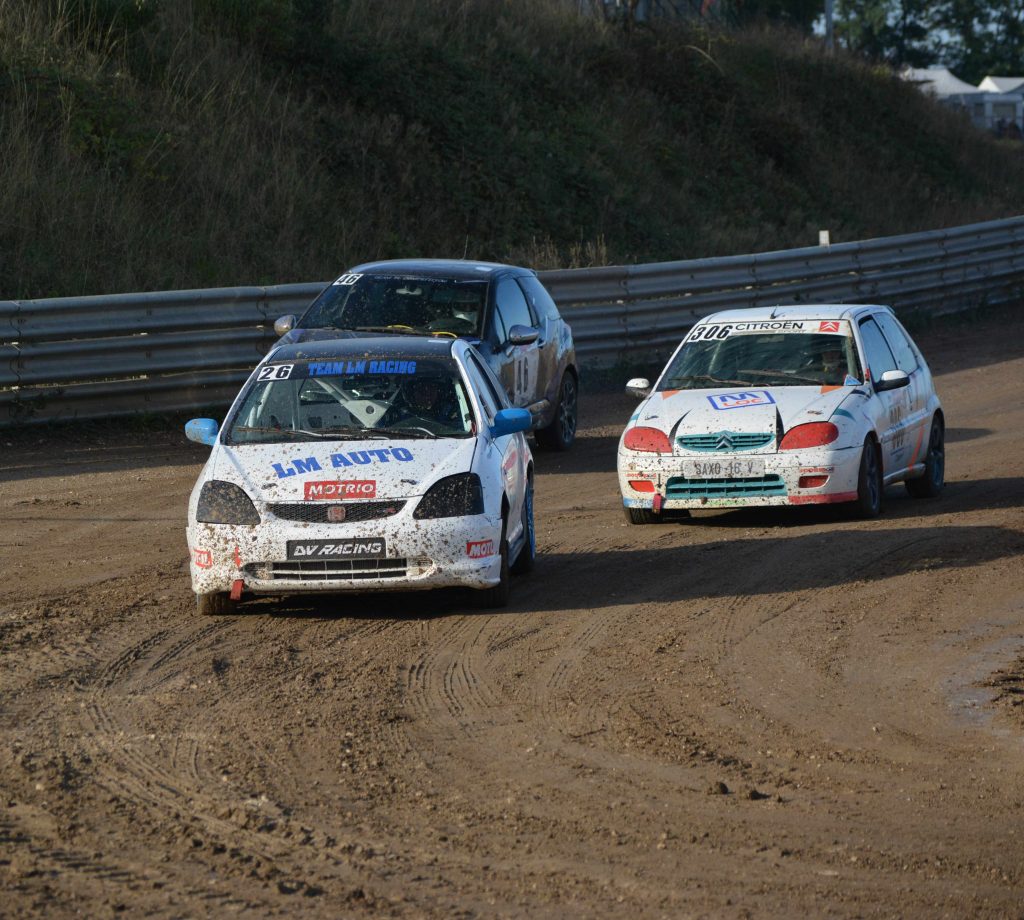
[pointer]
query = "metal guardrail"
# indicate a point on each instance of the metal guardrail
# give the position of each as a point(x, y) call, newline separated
point(89, 357)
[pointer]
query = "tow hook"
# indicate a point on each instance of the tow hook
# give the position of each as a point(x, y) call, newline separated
point(236, 589)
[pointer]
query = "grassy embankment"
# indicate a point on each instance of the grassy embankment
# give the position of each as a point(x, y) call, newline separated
point(160, 144)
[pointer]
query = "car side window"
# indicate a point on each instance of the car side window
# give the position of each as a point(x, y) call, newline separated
point(540, 300)
point(879, 358)
point(897, 339)
point(511, 303)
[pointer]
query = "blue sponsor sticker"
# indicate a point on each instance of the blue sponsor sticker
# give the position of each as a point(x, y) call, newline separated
point(742, 400)
point(340, 368)
point(304, 465)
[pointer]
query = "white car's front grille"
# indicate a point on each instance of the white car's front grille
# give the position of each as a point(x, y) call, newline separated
point(330, 570)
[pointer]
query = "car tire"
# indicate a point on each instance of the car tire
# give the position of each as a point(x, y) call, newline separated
point(528, 551)
point(497, 595)
point(868, 503)
point(643, 516)
point(930, 484)
point(561, 432)
point(212, 605)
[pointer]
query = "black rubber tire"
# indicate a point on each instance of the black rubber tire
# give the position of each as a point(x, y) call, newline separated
point(560, 434)
point(497, 595)
point(930, 484)
point(643, 516)
point(213, 605)
point(868, 503)
point(528, 552)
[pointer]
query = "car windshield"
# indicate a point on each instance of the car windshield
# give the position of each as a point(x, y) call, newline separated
point(400, 304)
point(368, 397)
point(762, 359)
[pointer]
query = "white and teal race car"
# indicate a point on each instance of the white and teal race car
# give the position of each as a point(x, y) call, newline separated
point(363, 464)
point(784, 406)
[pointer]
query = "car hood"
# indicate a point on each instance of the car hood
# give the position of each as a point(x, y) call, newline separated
point(678, 412)
point(342, 470)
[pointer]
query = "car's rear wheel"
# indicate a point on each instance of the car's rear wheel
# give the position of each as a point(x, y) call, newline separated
point(868, 503)
point(561, 432)
point(218, 604)
point(930, 484)
point(528, 551)
point(497, 595)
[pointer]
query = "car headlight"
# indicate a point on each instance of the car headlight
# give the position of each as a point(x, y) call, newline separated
point(225, 503)
point(453, 496)
point(647, 440)
point(812, 434)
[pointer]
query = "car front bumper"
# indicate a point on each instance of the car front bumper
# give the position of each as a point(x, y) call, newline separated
point(790, 478)
point(435, 553)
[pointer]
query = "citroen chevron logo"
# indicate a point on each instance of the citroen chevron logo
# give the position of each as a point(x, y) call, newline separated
point(723, 440)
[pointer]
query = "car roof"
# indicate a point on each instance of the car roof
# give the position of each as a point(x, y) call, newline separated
point(399, 346)
point(459, 269)
point(807, 311)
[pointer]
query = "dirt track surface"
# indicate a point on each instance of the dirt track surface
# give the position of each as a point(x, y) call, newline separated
point(753, 714)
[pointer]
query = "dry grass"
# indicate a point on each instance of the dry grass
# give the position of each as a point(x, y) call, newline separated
point(217, 142)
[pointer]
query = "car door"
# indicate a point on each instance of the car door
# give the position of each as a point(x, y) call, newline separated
point(918, 421)
point(889, 408)
point(516, 366)
point(547, 320)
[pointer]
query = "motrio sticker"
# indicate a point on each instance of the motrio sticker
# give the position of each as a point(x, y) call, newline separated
point(335, 489)
point(480, 549)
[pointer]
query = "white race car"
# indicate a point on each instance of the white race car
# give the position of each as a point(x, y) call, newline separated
point(363, 464)
point(784, 406)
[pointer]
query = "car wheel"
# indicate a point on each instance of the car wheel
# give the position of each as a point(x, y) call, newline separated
point(560, 434)
point(868, 503)
point(212, 605)
point(930, 484)
point(528, 551)
point(643, 516)
point(497, 595)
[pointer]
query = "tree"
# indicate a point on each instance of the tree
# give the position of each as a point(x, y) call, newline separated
point(897, 31)
point(985, 37)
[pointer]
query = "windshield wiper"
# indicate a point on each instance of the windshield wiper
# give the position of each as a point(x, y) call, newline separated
point(394, 329)
point(708, 377)
point(272, 429)
point(786, 375)
point(354, 434)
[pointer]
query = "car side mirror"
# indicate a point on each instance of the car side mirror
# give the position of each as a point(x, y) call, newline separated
point(522, 335)
point(639, 387)
point(892, 380)
point(509, 421)
point(284, 323)
point(202, 431)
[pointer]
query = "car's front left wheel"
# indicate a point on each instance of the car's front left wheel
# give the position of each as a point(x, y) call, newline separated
point(868, 503)
point(498, 595)
point(930, 484)
point(217, 604)
point(528, 551)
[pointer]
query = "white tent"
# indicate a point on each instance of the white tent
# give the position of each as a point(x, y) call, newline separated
point(1001, 84)
point(938, 81)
